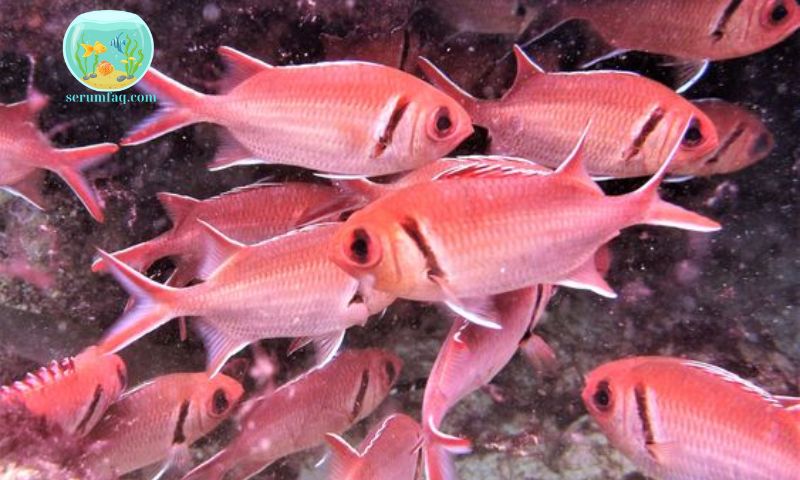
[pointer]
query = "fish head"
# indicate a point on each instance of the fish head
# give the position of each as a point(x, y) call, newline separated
point(765, 23)
point(384, 369)
point(213, 400)
point(699, 139)
point(99, 47)
point(440, 124)
point(744, 139)
point(610, 398)
point(373, 247)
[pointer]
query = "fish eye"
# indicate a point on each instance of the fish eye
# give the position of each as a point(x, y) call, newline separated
point(762, 145)
point(391, 372)
point(778, 14)
point(693, 135)
point(361, 249)
point(602, 396)
point(219, 402)
point(521, 10)
point(443, 124)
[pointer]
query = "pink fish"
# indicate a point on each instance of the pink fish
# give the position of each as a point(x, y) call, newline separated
point(296, 416)
point(26, 154)
point(635, 121)
point(481, 230)
point(248, 215)
point(390, 452)
point(339, 117)
point(72, 394)
point(282, 287)
point(159, 420)
point(678, 419)
point(468, 359)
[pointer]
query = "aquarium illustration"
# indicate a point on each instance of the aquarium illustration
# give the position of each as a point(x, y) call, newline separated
point(108, 50)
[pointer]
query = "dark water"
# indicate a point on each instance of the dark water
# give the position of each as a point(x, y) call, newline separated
point(729, 298)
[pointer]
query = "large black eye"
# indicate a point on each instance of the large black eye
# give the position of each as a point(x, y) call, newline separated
point(778, 13)
point(443, 122)
point(391, 372)
point(602, 396)
point(220, 402)
point(521, 10)
point(359, 246)
point(761, 145)
point(693, 135)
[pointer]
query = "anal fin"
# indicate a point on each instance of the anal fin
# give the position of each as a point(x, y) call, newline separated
point(586, 277)
point(231, 153)
point(29, 188)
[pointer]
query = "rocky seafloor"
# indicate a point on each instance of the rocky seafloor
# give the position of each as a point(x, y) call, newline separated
point(729, 298)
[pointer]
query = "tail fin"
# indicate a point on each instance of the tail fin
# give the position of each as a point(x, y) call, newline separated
point(438, 450)
point(139, 256)
point(659, 212)
point(178, 102)
point(442, 82)
point(69, 164)
point(151, 307)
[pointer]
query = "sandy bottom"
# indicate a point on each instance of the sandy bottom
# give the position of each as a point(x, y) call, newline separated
point(109, 82)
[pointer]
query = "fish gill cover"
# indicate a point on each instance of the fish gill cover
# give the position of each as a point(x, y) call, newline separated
point(729, 299)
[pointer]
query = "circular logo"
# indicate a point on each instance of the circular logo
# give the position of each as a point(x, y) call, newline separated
point(108, 50)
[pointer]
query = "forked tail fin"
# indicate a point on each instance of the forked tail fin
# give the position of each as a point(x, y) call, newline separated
point(178, 108)
point(152, 306)
point(139, 256)
point(69, 165)
point(438, 452)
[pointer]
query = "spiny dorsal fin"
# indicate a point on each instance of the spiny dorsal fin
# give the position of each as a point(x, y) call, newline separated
point(241, 66)
point(483, 168)
point(731, 377)
point(526, 68)
point(573, 167)
point(177, 206)
point(217, 248)
point(442, 82)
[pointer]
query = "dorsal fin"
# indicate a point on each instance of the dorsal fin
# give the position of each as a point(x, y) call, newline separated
point(485, 168)
point(526, 68)
point(240, 67)
point(745, 385)
point(343, 457)
point(217, 248)
point(177, 206)
point(442, 82)
point(574, 167)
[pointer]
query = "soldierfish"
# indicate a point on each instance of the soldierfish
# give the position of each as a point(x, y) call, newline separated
point(159, 420)
point(743, 139)
point(635, 120)
point(468, 359)
point(26, 153)
point(338, 117)
point(479, 230)
point(678, 419)
point(507, 17)
point(282, 287)
point(72, 394)
point(247, 214)
point(389, 452)
point(296, 416)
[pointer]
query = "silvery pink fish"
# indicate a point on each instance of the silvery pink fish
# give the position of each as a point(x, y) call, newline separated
point(679, 419)
point(339, 117)
point(158, 421)
point(389, 452)
point(26, 154)
point(468, 359)
point(479, 230)
point(282, 287)
point(72, 394)
point(635, 121)
point(296, 416)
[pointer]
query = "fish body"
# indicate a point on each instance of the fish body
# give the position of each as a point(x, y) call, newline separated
point(744, 139)
point(635, 120)
point(283, 287)
point(96, 49)
point(339, 117)
point(26, 153)
point(468, 359)
point(248, 215)
point(157, 419)
point(506, 17)
point(118, 43)
point(71, 394)
point(389, 452)
point(296, 416)
point(678, 419)
point(687, 29)
point(480, 230)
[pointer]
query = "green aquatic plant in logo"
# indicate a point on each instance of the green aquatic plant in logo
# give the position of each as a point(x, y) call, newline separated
point(108, 50)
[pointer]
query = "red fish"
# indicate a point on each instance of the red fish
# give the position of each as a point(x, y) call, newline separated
point(743, 139)
point(339, 117)
point(678, 419)
point(26, 154)
point(247, 214)
point(390, 452)
point(282, 287)
point(296, 416)
point(635, 120)
point(159, 420)
point(469, 358)
point(71, 394)
point(480, 230)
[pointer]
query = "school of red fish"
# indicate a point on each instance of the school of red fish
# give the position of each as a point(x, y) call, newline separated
point(489, 238)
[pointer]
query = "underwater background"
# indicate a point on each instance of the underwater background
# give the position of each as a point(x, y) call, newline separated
point(730, 299)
